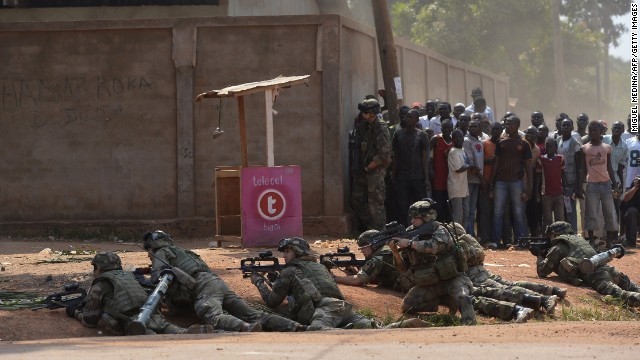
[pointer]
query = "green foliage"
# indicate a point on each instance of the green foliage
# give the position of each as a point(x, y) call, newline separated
point(613, 309)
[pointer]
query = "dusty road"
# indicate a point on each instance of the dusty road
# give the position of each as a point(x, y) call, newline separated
point(559, 340)
point(26, 334)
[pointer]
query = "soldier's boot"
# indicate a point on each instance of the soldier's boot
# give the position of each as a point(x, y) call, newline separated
point(522, 314)
point(467, 313)
point(549, 303)
point(632, 299)
point(255, 327)
point(559, 292)
point(532, 301)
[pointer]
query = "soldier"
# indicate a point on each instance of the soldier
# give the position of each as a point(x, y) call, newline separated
point(436, 265)
point(214, 303)
point(529, 294)
point(380, 268)
point(368, 191)
point(115, 298)
point(564, 256)
point(314, 297)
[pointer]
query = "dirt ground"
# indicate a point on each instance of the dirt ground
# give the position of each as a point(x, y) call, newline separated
point(28, 265)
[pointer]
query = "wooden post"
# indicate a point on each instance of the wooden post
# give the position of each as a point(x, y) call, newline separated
point(243, 132)
point(268, 102)
point(388, 57)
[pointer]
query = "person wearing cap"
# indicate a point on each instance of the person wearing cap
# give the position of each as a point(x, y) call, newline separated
point(368, 191)
point(314, 297)
point(476, 94)
point(115, 298)
point(199, 289)
point(564, 256)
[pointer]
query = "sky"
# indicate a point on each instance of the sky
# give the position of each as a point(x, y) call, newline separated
point(623, 50)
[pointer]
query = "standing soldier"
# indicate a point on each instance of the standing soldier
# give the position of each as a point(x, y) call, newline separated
point(437, 265)
point(314, 296)
point(368, 191)
point(115, 298)
point(198, 287)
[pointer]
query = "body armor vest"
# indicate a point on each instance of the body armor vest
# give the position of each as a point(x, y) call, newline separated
point(128, 295)
point(422, 259)
point(578, 247)
point(188, 261)
point(319, 277)
point(388, 276)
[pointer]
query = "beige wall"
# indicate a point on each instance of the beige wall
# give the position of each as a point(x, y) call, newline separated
point(98, 120)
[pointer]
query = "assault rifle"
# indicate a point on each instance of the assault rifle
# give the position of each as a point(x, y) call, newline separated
point(264, 263)
point(538, 246)
point(342, 258)
point(393, 229)
point(72, 295)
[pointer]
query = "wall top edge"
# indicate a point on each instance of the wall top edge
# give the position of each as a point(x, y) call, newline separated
point(211, 21)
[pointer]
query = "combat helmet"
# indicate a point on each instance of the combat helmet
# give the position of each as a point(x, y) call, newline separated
point(299, 245)
point(156, 239)
point(559, 228)
point(364, 239)
point(369, 105)
point(425, 208)
point(106, 260)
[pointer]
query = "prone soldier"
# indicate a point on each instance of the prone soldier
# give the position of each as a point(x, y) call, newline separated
point(564, 257)
point(313, 295)
point(205, 292)
point(115, 298)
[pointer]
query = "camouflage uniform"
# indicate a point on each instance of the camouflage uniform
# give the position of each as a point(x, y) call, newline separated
point(381, 266)
point(437, 273)
point(564, 257)
point(314, 297)
point(115, 298)
point(486, 284)
point(213, 301)
point(379, 269)
point(368, 191)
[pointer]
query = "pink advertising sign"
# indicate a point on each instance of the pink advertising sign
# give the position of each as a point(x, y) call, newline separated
point(271, 204)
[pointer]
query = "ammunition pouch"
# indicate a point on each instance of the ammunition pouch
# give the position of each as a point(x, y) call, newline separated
point(184, 279)
point(425, 276)
point(446, 267)
point(404, 282)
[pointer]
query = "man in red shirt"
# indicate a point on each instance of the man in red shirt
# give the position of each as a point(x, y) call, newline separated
point(552, 166)
point(440, 145)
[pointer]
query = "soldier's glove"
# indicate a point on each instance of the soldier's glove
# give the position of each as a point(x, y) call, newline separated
point(71, 310)
point(256, 278)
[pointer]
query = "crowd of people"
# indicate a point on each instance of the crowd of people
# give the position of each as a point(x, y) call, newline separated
point(501, 181)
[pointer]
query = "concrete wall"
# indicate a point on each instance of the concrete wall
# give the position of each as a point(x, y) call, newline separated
point(99, 125)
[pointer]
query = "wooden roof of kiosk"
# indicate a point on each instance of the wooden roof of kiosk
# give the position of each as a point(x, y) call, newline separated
point(270, 87)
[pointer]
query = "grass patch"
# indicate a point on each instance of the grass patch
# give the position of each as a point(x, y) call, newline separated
point(609, 309)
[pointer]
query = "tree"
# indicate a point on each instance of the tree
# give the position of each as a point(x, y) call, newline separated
point(515, 37)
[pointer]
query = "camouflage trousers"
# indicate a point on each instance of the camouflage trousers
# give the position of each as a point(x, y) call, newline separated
point(499, 309)
point(426, 298)
point(335, 313)
point(495, 287)
point(213, 298)
point(608, 281)
point(367, 199)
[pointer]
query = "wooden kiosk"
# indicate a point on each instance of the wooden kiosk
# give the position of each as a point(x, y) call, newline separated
point(227, 183)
